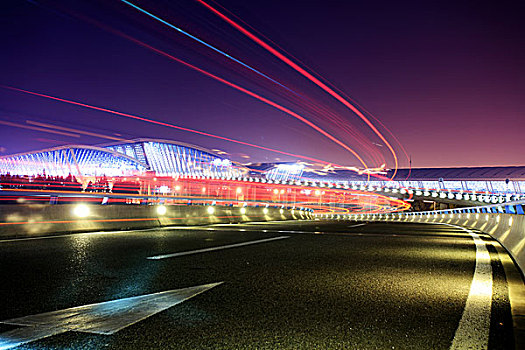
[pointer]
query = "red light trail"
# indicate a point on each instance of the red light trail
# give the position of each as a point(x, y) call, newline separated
point(316, 109)
point(169, 125)
point(305, 74)
point(250, 93)
point(235, 86)
point(254, 95)
point(228, 192)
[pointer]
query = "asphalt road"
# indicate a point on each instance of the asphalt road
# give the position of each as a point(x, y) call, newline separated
point(321, 285)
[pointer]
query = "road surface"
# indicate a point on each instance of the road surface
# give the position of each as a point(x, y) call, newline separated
point(288, 285)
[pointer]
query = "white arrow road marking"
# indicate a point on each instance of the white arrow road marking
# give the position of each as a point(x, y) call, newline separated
point(100, 318)
point(165, 256)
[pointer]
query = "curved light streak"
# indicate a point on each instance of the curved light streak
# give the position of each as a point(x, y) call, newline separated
point(206, 44)
point(305, 74)
point(226, 82)
point(126, 115)
point(329, 200)
point(248, 92)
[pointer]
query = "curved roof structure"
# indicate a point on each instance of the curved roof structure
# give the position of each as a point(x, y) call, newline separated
point(171, 142)
point(78, 160)
point(134, 157)
point(170, 158)
point(283, 171)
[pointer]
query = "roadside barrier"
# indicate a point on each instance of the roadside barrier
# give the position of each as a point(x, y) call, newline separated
point(32, 220)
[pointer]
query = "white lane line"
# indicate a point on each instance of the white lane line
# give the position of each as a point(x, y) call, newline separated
point(288, 231)
point(474, 326)
point(165, 256)
point(357, 225)
point(164, 228)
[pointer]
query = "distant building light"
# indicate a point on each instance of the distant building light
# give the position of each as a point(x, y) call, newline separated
point(221, 162)
point(164, 189)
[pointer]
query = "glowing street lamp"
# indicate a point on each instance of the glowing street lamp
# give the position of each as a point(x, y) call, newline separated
point(81, 211)
point(161, 210)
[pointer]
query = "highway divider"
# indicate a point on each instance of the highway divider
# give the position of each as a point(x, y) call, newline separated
point(33, 220)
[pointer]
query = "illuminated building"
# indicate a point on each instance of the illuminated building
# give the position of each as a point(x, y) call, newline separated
point(78, 160)
point(136, 157)
point(170, 158)
point(165, 158)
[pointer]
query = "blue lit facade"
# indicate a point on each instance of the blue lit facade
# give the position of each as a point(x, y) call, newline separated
point(74, 160)
point(285, 172)
point(169, 158)
point(137, 157)
point(497, 180)
point(166, 158)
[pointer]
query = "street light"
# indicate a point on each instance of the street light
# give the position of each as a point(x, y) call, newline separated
point(81, 211)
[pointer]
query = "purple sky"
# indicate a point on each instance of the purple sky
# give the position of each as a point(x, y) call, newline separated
point(446, 77)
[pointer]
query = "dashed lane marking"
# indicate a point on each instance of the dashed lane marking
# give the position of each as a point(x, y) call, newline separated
point(205, 250)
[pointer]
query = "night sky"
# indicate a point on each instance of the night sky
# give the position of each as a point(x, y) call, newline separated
point(447, 78)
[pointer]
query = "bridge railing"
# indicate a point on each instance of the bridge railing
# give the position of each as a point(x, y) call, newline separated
point(505, 223)
point(494, 187)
